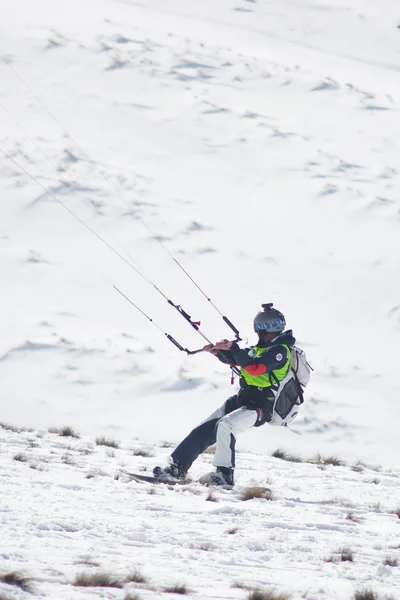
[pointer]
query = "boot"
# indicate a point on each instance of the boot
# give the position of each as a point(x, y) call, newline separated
point(223, 476)
point(172, 471)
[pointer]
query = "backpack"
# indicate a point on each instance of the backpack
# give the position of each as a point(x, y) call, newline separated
point(288, 393)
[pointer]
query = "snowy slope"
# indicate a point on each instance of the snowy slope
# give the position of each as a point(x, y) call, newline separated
point(260, 141)
point(67, 511)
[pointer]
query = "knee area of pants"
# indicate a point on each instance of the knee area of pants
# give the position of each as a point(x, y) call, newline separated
point(223, 424)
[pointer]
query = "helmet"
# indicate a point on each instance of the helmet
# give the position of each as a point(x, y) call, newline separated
point(269, 320)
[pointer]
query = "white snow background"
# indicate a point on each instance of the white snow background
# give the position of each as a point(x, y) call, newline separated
point(257, 143)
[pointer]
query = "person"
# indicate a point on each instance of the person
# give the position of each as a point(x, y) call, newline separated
point(262, 367)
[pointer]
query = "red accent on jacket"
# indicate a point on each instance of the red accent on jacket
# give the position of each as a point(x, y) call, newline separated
point(256, 369)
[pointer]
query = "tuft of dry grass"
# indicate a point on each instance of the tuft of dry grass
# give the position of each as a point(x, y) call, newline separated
point(67, 459)
point(18, 580)
point(85, 451)
point(130, 596)
point(177, 589)
point(346, 555)
point(211, 498)
point(342, 555)
point(266, 595)
point(329, 460)
point(145, 452)
point(256, 492)
point(103, 441)
point(341, 502)
point(14, 428)
point(352, 517)
point(242, 586)
point(135, 577)
point(391, 561)
point(100, 579)
point(64, 431)
point(20, 457)
point(210, 449)
point(358, 467)
point(283, 455)
point(167, 445)
point(365, 594)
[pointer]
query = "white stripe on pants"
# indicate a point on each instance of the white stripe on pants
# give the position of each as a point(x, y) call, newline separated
point(228, 427)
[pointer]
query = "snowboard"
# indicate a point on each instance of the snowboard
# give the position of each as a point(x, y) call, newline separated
point(204, 480)
point(151, 479)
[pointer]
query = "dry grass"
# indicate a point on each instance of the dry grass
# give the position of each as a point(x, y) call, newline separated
point(342, 555)
point(266, 595)
point(352, 517)
point(365, 594)
point(391, 561)
point(211, 498)
point(177, 589)
point(256, 492)
point(242, 586)
point(135, 577)
point(346, 555)
point(68, 459)
point(145, 452)
point(341, 502)
point(64, 431)
point(358, 467)
point(103, 441)
point(100, 579)
point(283, 455)
point(131, 596)
point(167, 445)
point(328, 460)
point(321, 461)
point(18, 580)
point(20, 457)
point(13, 428)
point(210, 449)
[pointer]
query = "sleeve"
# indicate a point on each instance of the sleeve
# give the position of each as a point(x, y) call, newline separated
point(274, 358)
point(226, 357)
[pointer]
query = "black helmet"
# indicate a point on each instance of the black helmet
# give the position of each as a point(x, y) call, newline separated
point(269, 320)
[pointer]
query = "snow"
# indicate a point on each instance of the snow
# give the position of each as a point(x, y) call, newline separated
point(67, 509)
point(257, 144)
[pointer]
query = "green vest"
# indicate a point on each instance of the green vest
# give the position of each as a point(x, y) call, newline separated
point(265, 379)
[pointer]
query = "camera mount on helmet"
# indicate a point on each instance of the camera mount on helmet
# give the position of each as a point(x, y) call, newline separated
point(269, 320)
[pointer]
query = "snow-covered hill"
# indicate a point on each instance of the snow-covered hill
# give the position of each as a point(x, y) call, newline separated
point(256, 143)
point(259, 142)
point(66, 511)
